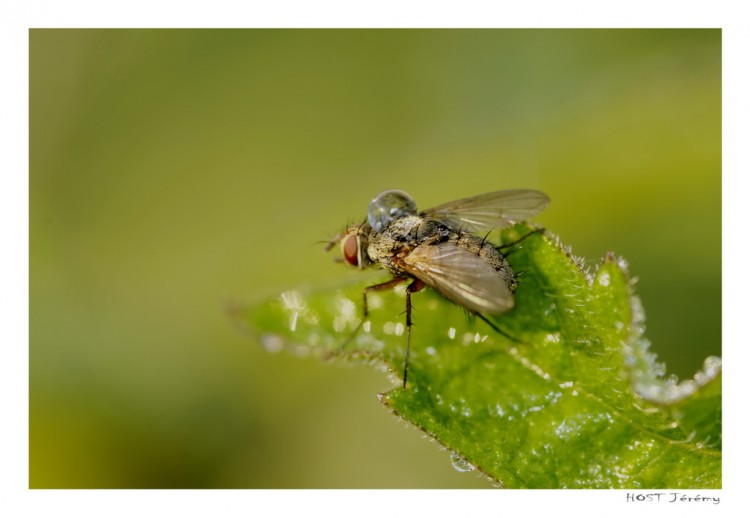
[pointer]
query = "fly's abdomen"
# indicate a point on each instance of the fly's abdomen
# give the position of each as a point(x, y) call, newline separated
point(489, 255)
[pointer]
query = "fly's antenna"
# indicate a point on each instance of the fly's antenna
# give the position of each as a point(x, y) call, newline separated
point(321, 242)
point(332, 242)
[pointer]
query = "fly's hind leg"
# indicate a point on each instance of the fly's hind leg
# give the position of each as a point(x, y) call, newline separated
point(520, 239)
point(497, 329)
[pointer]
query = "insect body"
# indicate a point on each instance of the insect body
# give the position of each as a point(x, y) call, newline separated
point(440, 248)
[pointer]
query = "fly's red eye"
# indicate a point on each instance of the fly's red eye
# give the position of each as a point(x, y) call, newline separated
point(350, 248)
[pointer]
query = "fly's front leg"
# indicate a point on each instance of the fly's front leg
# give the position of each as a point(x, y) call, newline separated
point(377, 287)
point(414, 287)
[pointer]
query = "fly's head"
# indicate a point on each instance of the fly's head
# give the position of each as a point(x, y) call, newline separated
point(353, 242)
point(386, 208)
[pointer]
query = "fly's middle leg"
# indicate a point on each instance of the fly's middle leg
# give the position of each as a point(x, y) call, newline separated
point(414, 287)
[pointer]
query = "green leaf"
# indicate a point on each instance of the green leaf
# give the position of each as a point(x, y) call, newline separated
point(567, 395)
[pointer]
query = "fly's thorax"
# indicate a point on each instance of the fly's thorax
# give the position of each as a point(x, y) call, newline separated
point(394, 242)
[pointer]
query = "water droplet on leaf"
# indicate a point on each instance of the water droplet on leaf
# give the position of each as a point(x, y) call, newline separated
point(460, 464)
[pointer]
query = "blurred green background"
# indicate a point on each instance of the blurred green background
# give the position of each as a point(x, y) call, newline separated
point(171, 170)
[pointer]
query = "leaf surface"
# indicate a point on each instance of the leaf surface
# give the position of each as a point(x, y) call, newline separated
point(567, 395)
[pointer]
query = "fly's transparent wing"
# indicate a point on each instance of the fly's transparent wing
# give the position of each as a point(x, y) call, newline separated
point(491, 210)
point(460, 276)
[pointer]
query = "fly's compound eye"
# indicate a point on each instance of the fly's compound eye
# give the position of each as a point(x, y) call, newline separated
point(350, 249)
point(389, 206)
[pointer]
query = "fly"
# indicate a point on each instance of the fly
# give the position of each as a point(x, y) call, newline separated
point(440, 248)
